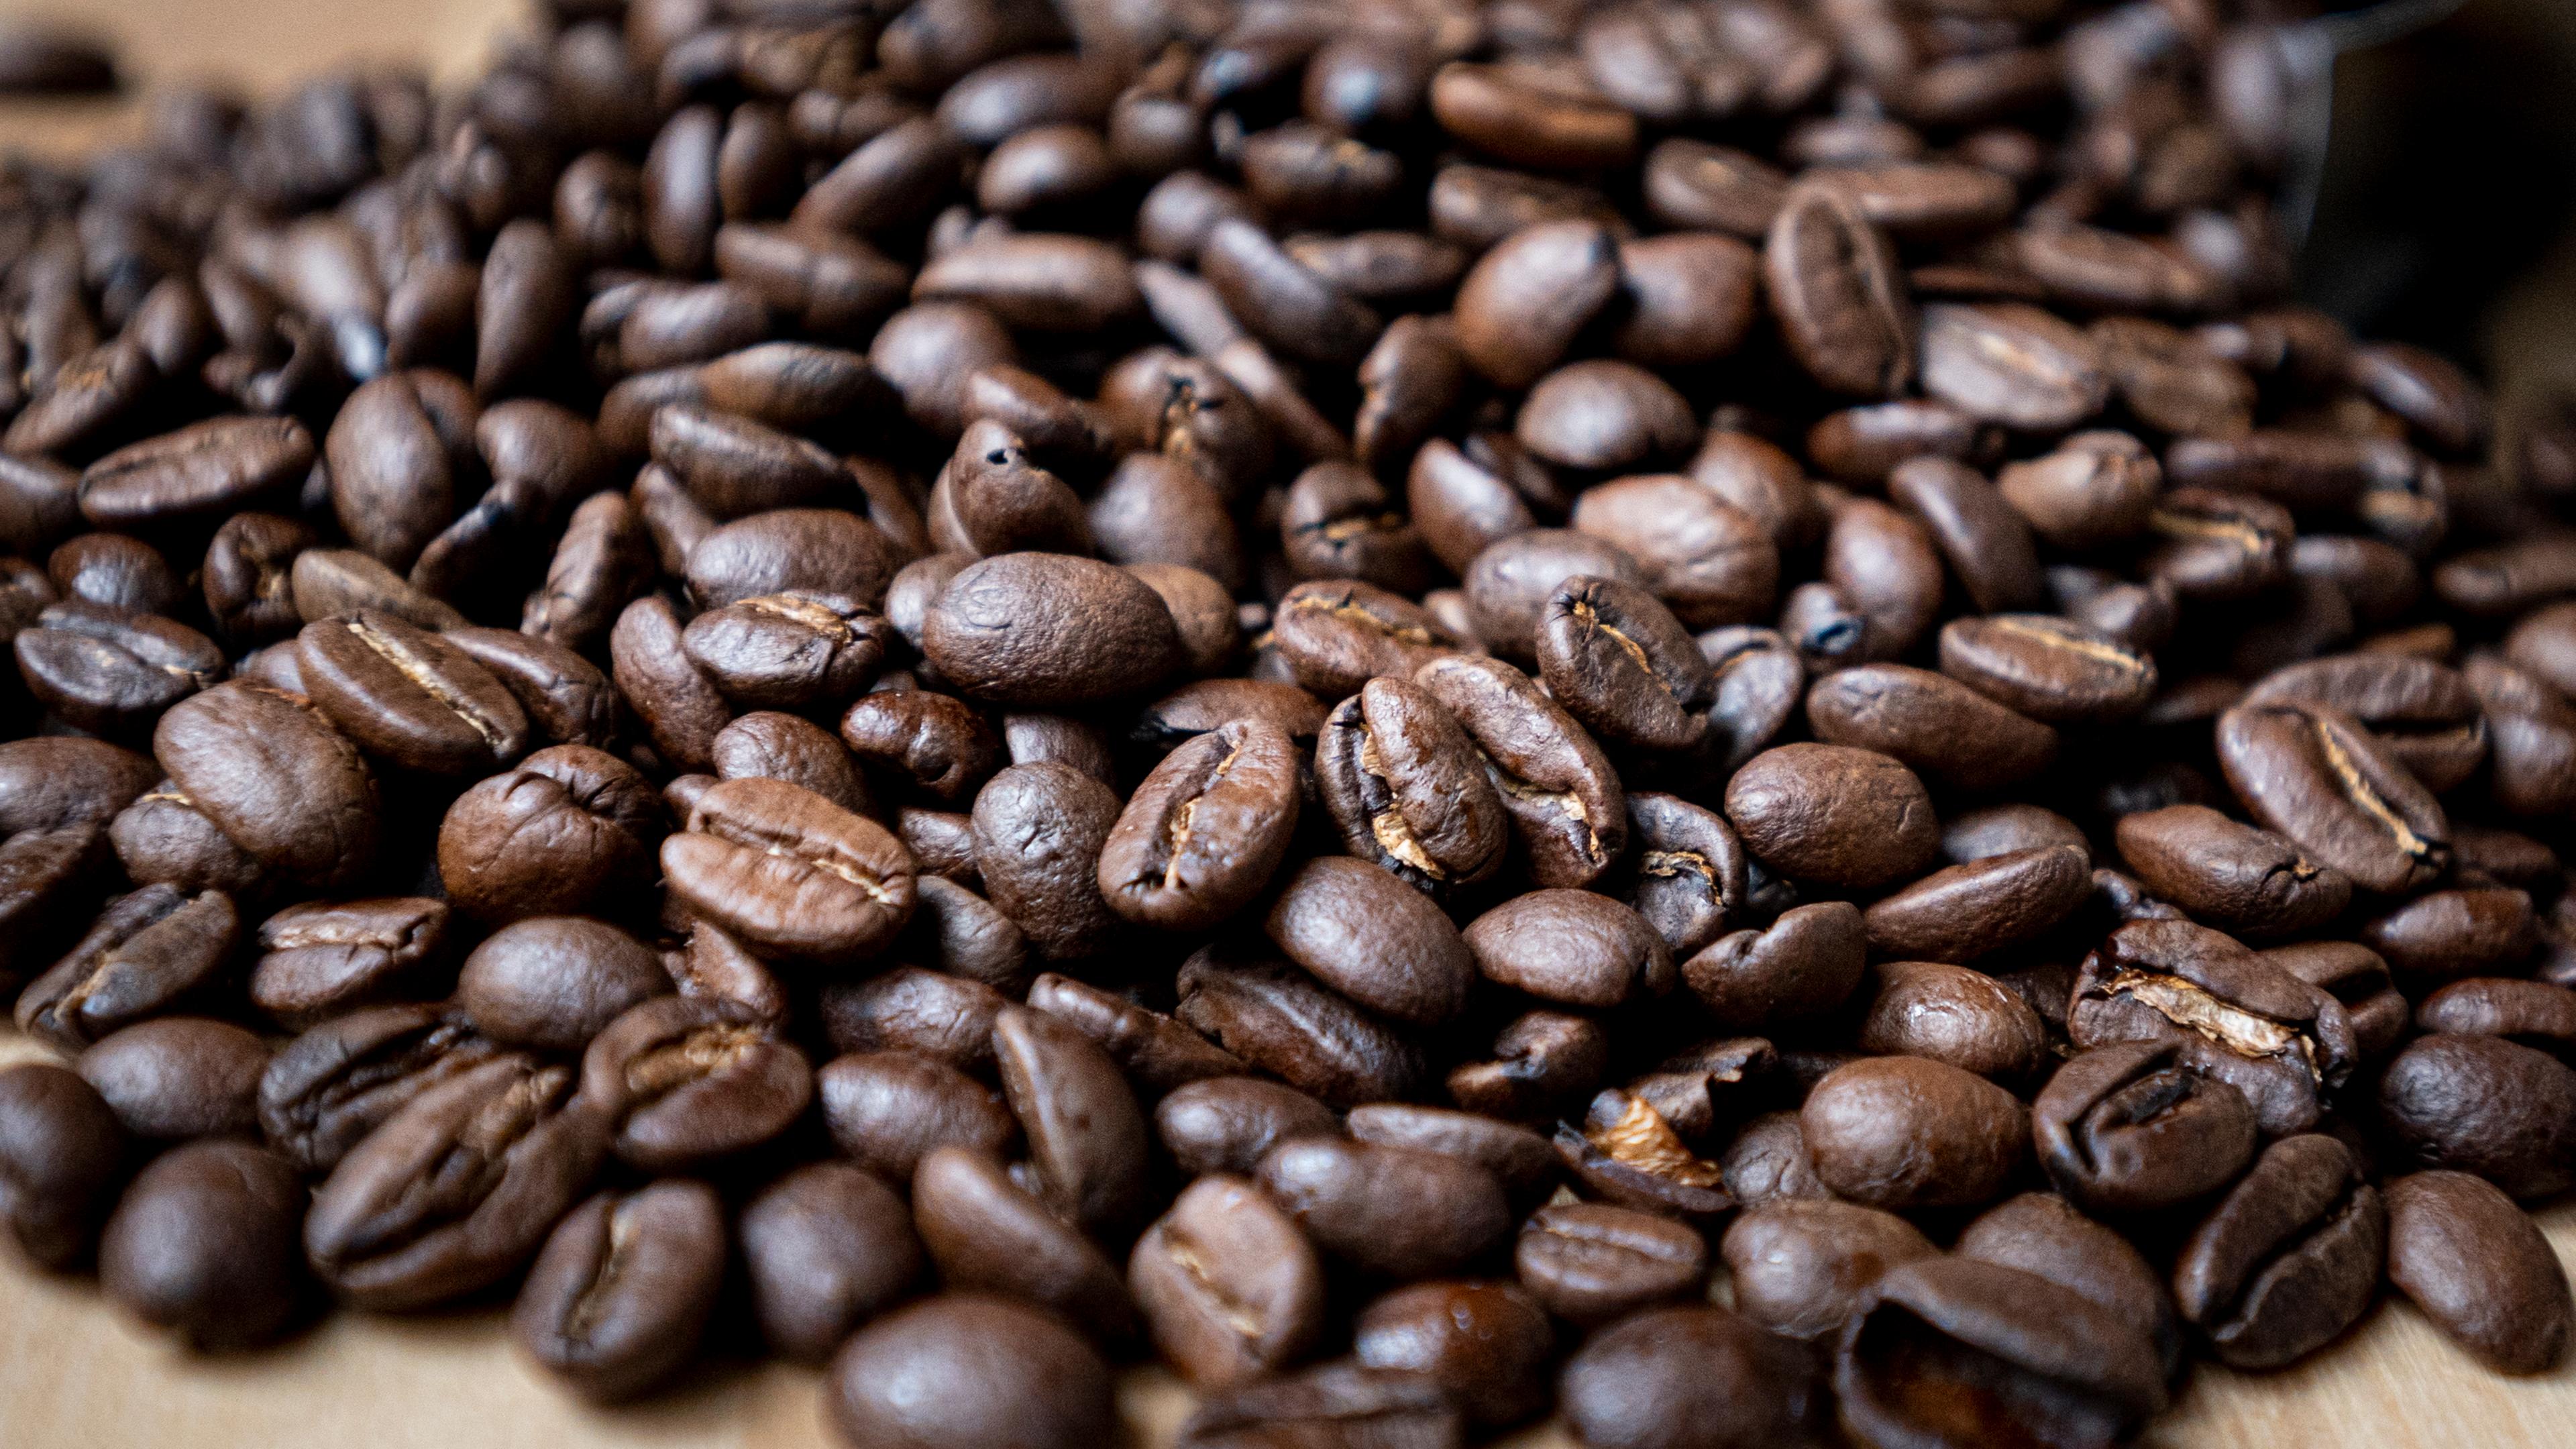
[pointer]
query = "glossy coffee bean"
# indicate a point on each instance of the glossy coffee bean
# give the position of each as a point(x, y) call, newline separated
point(970, 1371)
point(623, 1288)
point(203, 1244)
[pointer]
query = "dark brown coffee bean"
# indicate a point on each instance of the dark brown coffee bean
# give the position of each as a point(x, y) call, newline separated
point(2480, 1269)
point(1590, 1263)
point(2012, 364)
point(1833, 281)
point(2041, 1233)
point(204, 1245)
point(988, 1234)
point(2313, 774)
point(1039, 835)
point(2252, 1025)
point(62, 1160)
point(1931, 723)
point(789, 872)
point(1800, 1268)
point(1228, 1124)
point(2050, 668)
point(1696, 1377)
point(2232, 875)
point(1570, 947)
point(2459, 932)
point(1408, 788)
point(1948, 1013)
point(2007, 1348)
point(1520, 306)
point(149, 950)
point(1206, 830)
point(204, 470)
point(1048, 1389)
point(105, 670)
point(562, 833)
point(1335, 636)
point(1833, 814)
point(888, 1110)
point(1373, 1205)
point(1904, 1132)
point(1107, 633)
point(1807, 962)
point(1277, 1017)
point(527, 1147)
point(555, 982)
point(1228, 1286)
point(322, 959)
point(1485, 1343)
point(685, 1082)
point(2485, 1105)
point(827, 1247)
point(616, 1301)
point(2289, 1259)
point(2131, 1128)
point(1360, 931)
point(276, 777)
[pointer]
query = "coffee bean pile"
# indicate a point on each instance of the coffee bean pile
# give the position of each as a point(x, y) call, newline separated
point(1698, 714)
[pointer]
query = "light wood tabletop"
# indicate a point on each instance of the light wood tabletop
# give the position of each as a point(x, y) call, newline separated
point(75, 1375)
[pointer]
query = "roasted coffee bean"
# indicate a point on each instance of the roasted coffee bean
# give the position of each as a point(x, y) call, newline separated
point(564, 832)
point(62, 1161)
point(2288, 1259)
point(2236, 1016)
point(1228, 1124)
point(2536, 1012)
point(320, 960)
point(1833, 814)
point(791, 874)
point(1948, 1013)
point(1946, 1341)
point(555, 982)
point(113, 672)
point(1327, 1403)
point(410, 696)
point(910, 1009)
point(1590, 1263)
point(2313, 774)
point(1698, 1377)
point(1522, 1160)
point(1906, 1132)
point(180, 1077)
point(769, 745)
point(201, 471)
point(1834, 283)
point(2485, 1105)
point(936, 742)
point(1336, 636)
point(1931, 723)
point(1806, 962)
point(687, 1081)
point(888, 1110)
point(276, 777)
point(1206, 830)
point(1104, 632)
point(1228, 1286)
point(1571, 947)
point(333, 1085)
point(2131, 1128)
point(1040, 831)
point(2231, 875)
point(930, 1374)
point(2051, 669)
point(623, 1288)
point(1485, 1343)
point(2012, 364)
point(2480, 1269)
point(148, 951)
point(1361, 932)
point(1768, 1162)
point(2042, 1233)
point(1800, 1268)
point(1086, 1136)
point(2423, 712)
point(1619, 661)
point(380, 1237)
point(203, 1244)
point(1373, 1205)
point(1408, 788)
point(987, 1234)
point(827, 1247)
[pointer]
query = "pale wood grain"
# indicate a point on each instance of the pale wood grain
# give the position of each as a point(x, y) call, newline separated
point(74, 1375)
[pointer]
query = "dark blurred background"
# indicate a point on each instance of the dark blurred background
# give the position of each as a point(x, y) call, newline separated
point(2446, 213)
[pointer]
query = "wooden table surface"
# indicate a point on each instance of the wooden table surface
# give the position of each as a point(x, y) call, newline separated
point(76, 1375)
